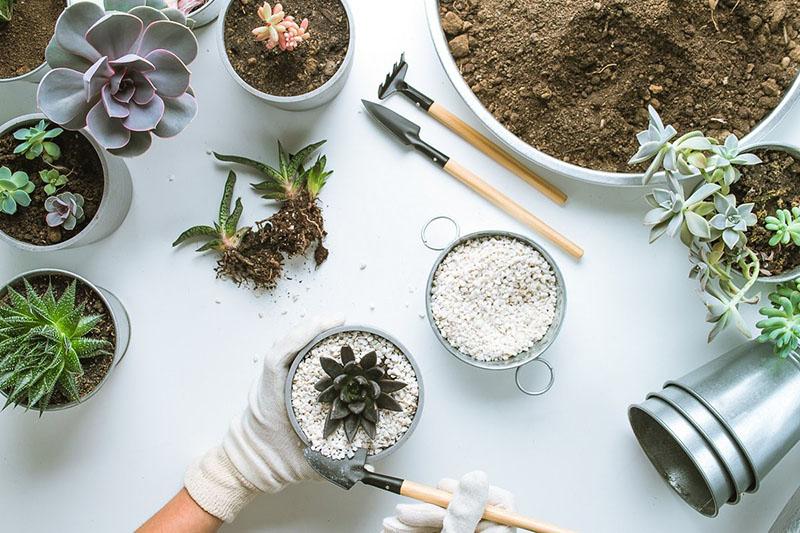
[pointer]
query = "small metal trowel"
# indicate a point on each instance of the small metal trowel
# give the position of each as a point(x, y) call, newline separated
point(345, 473)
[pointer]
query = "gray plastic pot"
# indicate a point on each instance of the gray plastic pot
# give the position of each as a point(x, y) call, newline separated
point(343, 329)
point(303, 102)
point(114, 205)
point(119, 317)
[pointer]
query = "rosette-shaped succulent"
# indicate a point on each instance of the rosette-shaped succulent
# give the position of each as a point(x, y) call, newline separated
point(123, 76)
point(65, 210)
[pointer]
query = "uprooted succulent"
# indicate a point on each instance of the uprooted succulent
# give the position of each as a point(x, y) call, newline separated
point(65, 209)
point(15, 189)
point(123, 76)
point(781, 325)
point(785, 226)
point(38, 141)
point(357, 391)
point(279, 29)
point(6, 10)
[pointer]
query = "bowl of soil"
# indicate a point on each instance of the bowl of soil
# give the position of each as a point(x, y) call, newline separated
point(25, 36)
point(354, 387)
point(567, 86)
point(496, 301)
point(297, 80)
point(105, 325)
point(101, 179)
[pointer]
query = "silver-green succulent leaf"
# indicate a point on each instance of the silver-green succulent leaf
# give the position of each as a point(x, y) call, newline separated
point(671, 211)
point(723, 311)
point(654, 144)
point(732, 221)
point(785, 226)
point(15, 190)
point(726, 157)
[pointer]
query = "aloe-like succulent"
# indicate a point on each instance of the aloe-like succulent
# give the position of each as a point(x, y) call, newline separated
point(53, 180)
point(6, 10)
point(43, 338)
point(38, 141)
point(225, 234)
point(356, 390)
point(732, 220)
point(280, 29)
point(781, 325)
point(122, 75)
point(785, 226)
point(65, 209)
point(15, 189)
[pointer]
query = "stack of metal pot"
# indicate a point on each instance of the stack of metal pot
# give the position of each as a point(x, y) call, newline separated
point(715, 433)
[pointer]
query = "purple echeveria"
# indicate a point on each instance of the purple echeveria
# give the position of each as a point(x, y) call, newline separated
point(65, 209)
point(121, 75)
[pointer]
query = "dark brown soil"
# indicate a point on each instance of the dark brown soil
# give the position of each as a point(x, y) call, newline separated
point(24, 39)
point(292, 231)
point(77, 154)
point(294, 73)
point(573, 77)
point(96, 368)
point(773, 185)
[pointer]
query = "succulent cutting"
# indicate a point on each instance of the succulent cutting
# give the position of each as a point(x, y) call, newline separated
point(279, 29)
point(15, 189)
point(356, 390)
point(38, 141)
point(43, 338)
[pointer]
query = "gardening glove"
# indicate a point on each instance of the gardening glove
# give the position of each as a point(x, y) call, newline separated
point(261, 452)
point(471, 495)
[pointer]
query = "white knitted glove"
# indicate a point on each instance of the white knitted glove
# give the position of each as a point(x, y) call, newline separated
point(261, 452)
point(471, 495)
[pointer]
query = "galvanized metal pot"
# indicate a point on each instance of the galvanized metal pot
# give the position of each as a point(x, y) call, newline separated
point(119, 317)
point(719, 430)
point(114, 205)
point(344, 329)
point(303, 102)
point(535, 352)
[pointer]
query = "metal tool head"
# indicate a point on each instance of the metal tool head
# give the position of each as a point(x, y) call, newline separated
point(343, 473)
point(395, 80)
point(404, 129)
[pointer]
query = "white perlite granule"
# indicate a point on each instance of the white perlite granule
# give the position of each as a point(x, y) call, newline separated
point(311, 414)
point(494, 297)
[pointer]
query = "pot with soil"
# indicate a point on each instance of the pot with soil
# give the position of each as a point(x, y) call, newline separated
point(58, 189)
point(26, 27)
point(354, 387)
point(566, 87)
point(91, 328)
point(291, 63)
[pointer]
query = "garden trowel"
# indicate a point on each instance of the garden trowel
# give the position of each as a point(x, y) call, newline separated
point(345, 473)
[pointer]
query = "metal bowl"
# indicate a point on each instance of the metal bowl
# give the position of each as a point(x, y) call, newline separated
point(344, 329)
point(523, 358)
point(541, 161)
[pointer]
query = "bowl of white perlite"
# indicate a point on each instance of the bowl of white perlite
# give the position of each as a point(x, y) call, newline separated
point(496, 301)
point(392, 427)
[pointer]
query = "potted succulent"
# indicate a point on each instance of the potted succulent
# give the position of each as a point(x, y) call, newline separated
point(352, 388)
point(60, 338)
point(294, 56)
point(193, 13)
point(121, 75)
point(25, 30)
point(58, 189)
point(740, 222)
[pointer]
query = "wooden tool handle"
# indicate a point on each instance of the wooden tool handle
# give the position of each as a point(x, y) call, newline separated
point(479, 141)
point(512, 208)
point(442, 499)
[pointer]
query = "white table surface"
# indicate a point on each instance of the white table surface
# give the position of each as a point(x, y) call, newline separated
point(633, 321)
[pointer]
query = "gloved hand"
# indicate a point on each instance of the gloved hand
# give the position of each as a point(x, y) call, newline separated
point(261, 452)
point(471, 495)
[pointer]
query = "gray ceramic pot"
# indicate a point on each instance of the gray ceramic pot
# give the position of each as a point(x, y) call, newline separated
point(303, 102)
point(206, 14)
point(719, 430)
point(119, 317)
point(343, 329)
point(114, 205)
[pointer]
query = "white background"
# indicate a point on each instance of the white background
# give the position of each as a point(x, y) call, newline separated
point(633, 321)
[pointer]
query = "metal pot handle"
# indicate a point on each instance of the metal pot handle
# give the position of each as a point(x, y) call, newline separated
point(423, 233)
point(549, 383)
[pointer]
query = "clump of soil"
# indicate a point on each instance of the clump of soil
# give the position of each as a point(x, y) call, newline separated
point(294, 73)
point(24, 39)
point(78, 155)
point(95, 368)
point(573, 77)
point(773, 185)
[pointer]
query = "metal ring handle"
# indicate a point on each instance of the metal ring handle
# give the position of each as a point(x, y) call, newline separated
point(423, 233)
point(549, 383)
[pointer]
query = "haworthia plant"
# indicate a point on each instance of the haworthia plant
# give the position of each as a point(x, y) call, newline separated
point(6, 9)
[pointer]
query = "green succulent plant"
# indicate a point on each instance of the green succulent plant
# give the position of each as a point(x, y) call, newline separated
point(37, 141)
point(6, 10)
point(43, 339)
point(356, 390)
point(782, 323)
point(224, 235)
point(785, 226)
point(15, 189)
point(53, 180)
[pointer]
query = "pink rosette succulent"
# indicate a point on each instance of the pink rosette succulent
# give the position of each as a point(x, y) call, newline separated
point(123, 76)
point(279, 29)
point(185, 6)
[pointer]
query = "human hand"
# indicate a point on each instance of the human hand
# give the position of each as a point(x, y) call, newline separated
point(471, 495)
point(261, 452)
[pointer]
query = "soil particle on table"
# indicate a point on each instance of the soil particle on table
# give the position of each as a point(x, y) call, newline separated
point(95, 368)
point(24, 39)
point(573, 78)
point(77, 154)
point(294, 73)
point(773, 185)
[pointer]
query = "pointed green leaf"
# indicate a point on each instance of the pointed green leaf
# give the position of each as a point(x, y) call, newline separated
point(195, 231)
